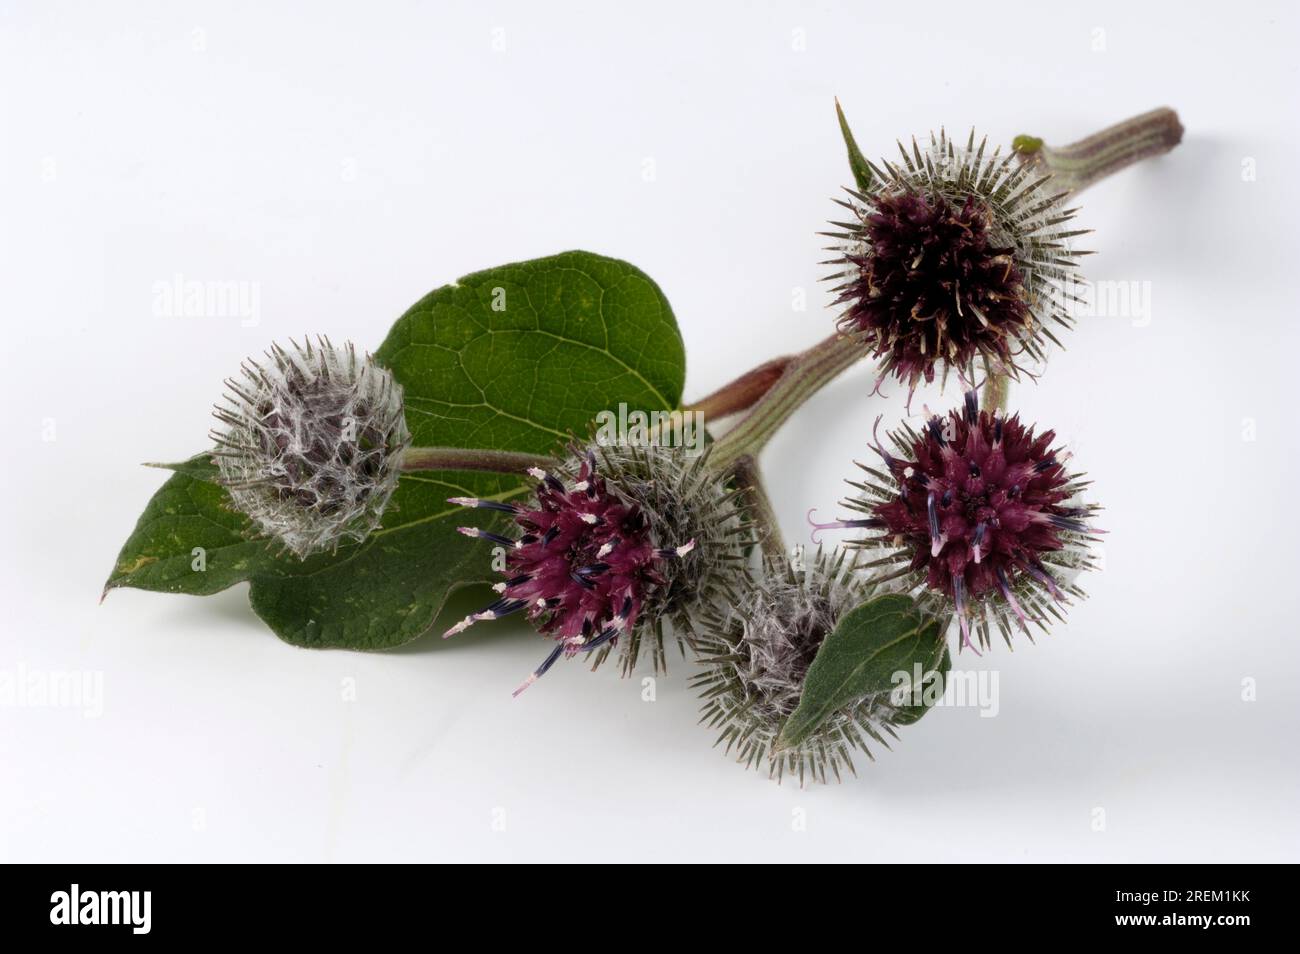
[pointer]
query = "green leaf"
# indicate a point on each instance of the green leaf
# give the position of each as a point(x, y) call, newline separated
point(934, 675)
point(883, 636)
point(857, 162)
point(513, 358)
point(187, 541)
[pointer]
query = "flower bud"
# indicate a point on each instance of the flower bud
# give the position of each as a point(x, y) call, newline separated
point(755, 655)
point(312, 444)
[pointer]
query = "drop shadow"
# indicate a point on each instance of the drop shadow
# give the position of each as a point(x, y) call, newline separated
point(1167, 229)
point(229, 606)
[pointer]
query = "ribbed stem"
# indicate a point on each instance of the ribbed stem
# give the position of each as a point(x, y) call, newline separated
point(460, 458)
point(741, 393)
point(805, 375)
point(759, 504)
point(1079, 165)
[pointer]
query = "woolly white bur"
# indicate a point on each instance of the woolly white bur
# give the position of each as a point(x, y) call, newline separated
point(311, 444)
point(756, 655)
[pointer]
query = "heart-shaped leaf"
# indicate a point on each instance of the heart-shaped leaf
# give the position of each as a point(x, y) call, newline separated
point(516, 358)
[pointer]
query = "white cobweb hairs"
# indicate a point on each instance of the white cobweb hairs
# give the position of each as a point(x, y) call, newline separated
point(311, 446)
point(755, 658)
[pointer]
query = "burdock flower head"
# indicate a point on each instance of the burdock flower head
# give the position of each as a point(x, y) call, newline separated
point(311, 444)
point(619, 543)
point(953, 255)
point(977, 514)
point(755, 655)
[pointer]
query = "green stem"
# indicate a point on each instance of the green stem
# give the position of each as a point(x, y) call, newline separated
point(745, 470)
point(803, 376)
point(1079, 165)
point(741, 393)
point(460, 458)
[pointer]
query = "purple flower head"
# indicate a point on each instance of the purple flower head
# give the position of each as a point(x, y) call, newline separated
point(933, 285)
point(632, 538)
point(953, 255)
point(978, 510)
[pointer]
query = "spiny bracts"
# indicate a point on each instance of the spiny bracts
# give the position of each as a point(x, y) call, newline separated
point(978, 515)
point(621, 545)
point(755, 655)
point(951, 256)
point(311, 445)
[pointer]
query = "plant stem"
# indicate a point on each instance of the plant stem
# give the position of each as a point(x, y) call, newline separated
point(745, 470)
point(460, 458)
point(742, 392)
point(997, 388)
point(1079, 165)
point(803, 376)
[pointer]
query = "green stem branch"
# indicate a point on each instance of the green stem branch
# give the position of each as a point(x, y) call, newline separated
point(803, 376)
point(1079, 165)
point(460, 458)
point(741, 393)
point(745, 470)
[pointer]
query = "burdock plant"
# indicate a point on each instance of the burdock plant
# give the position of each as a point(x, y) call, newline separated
point(955, 260)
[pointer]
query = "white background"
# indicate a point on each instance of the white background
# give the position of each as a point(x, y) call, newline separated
point(348, 158)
